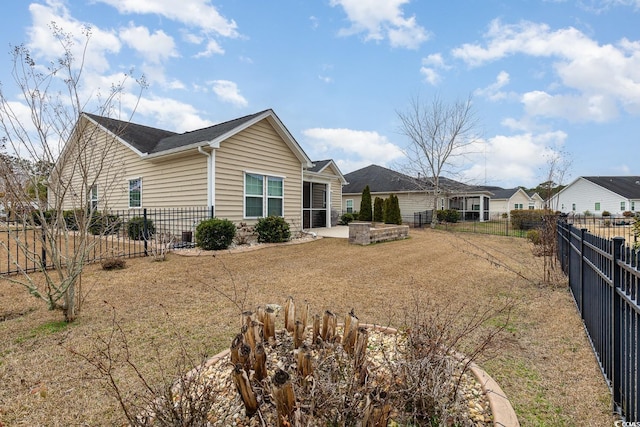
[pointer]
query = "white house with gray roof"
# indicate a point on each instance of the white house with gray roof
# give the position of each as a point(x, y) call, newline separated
point(597, 194)
point(414, 195)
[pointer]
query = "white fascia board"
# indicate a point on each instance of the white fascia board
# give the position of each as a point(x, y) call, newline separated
point(178, 150)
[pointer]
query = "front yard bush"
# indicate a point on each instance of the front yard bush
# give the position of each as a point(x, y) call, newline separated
point(346, 218)
point(215, 234)
point(272, 229)
point(448, 215)
point(136, 230)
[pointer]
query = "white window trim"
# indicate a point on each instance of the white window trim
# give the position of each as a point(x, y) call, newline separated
point(346, 205)
point(265, 193)
point(92, 199)
point(129, 192)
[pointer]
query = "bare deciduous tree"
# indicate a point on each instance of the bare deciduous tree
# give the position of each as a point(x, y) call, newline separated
point(42, 125)
point(439, 134)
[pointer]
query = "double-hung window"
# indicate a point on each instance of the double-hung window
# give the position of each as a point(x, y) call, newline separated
point(263, 194)
point(349, 205)
point(623, 206)
point(135, 193)
point(93, 197)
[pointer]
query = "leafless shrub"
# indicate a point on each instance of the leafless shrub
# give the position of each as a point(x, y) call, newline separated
point(159, 245)
point(113, 263)
point(428, 376)
point(181, 397)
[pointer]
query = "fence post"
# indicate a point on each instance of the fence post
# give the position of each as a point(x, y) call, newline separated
point(582, 268)
point(44, 248)
point(144, 230)
point(616, 341)
point(213, 212)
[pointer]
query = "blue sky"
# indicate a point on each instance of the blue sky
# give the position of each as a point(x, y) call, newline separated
point(545, 76)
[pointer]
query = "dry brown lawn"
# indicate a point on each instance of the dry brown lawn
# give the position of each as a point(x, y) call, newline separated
point(542, 361)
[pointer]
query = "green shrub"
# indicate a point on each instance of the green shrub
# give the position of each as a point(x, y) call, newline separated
point(392, 213)
point(104, 223)
point(527, 219)
point(378, 211)
point(272, 229)
point(346, 218)
point(365, 205)
point(606, 213)
point(36, 216)
point(448, 215)
point(72, 218)
point(215, 234)
point(534, 237)
point(136, 231)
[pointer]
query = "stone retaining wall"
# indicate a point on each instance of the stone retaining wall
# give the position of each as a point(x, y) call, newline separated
point(365, 233)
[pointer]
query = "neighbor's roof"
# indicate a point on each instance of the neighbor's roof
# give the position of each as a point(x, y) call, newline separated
point(626, 186)
point(501, 193)
point(383, 180)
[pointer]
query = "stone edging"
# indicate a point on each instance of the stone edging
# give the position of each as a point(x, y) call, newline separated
point(501, 409)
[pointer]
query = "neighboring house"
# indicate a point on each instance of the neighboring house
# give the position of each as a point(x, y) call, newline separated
point(596, 194)
point(243, 169)
point(504, 200)
point(414, 195)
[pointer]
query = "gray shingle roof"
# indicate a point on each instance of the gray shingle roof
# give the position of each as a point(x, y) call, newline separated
point(142, 138)
point(501, 193)
point(626, 186)
point(318, 165)
point(151, 140)
point(379, 179)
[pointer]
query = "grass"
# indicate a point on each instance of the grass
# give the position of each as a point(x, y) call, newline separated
point(542, 360)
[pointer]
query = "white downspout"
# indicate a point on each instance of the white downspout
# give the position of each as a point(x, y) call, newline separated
point(210, 183)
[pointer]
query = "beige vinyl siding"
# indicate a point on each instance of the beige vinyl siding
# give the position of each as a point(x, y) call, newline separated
point(258, 149)
point(408, 202)
point(179, 181)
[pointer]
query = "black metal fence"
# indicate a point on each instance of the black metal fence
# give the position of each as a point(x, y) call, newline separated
point(604, 276)
point(608, 226)
point(129, 233)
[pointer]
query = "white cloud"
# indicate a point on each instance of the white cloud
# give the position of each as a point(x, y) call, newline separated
point(594, 80)
point(596, 108)
point(212, 48)
point(154, 48)
point(513, 160)
point(430, 75)
point(493, 92)
point(193, 13)
point(43, 43)
point(228, 92)
point(168, 113)
point(430, 65)
point(382, 19)
point(354, 148)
